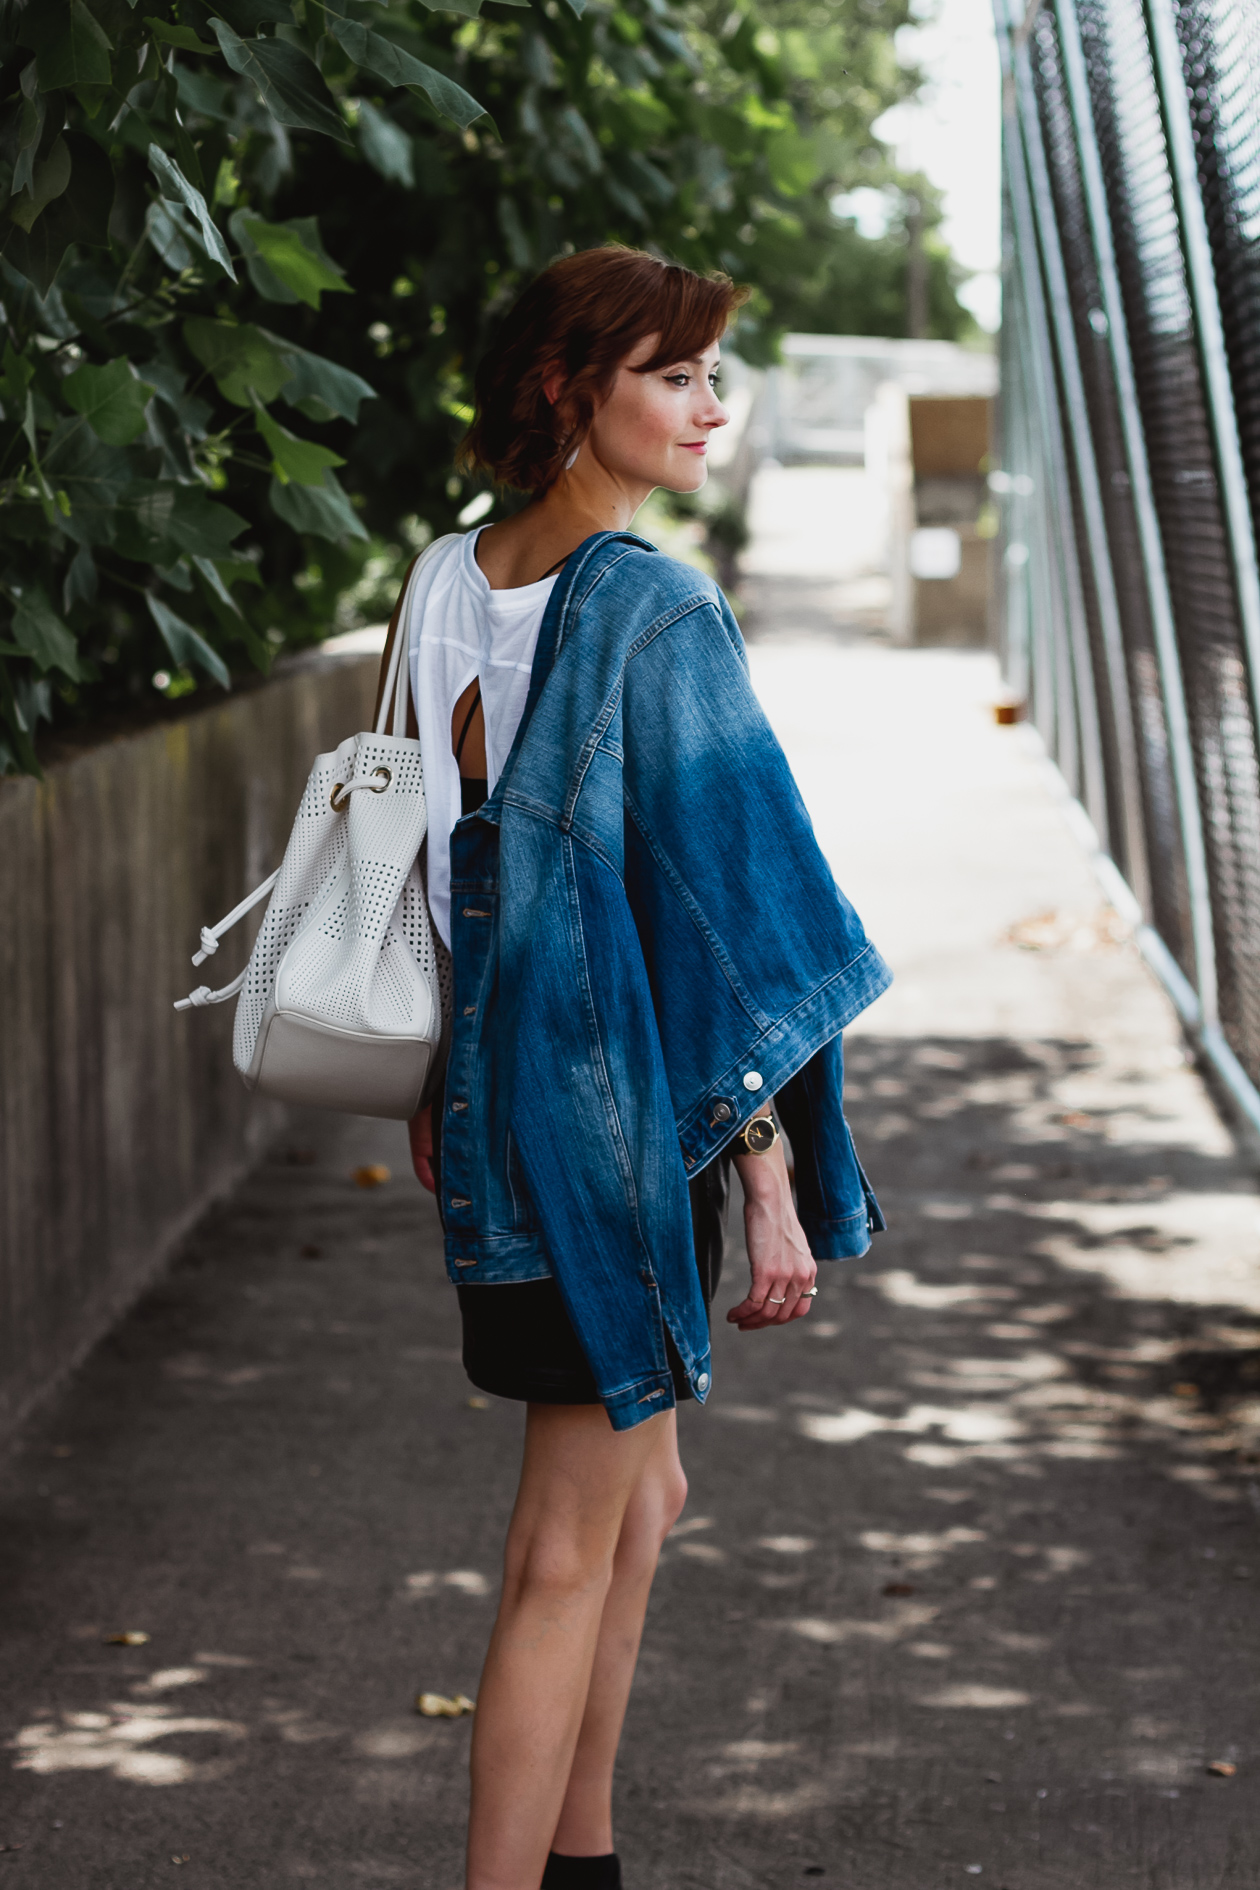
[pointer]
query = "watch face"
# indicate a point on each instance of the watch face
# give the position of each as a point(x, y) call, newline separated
point(759, 1135)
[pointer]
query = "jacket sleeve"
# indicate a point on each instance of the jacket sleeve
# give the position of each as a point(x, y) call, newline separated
point(829, 1177)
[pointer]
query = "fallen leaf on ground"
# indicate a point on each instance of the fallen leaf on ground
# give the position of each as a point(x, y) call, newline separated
point(479, 1404)
point(1221, 1768)
point(371, 1175)
point(437, 1706)
point(130, 1637)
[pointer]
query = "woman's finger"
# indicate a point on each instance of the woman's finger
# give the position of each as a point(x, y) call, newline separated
point(763, 1306)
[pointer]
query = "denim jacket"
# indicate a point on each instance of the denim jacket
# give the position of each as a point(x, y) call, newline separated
point(648, 944)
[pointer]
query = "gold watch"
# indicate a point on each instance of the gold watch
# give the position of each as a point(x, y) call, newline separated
point(757, 1137)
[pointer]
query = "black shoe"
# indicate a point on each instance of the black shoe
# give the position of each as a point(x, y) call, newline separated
point(582, 1873)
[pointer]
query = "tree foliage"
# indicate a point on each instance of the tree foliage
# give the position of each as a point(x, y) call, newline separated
point(250, 250)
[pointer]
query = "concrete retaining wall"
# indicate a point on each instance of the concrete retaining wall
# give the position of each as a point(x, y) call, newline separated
point(121, 1119)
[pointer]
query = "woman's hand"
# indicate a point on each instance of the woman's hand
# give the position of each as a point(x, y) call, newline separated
point(782, 1266)
point(420, 1131)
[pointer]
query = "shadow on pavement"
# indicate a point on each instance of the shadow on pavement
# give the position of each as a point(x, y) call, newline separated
point(966, 1587)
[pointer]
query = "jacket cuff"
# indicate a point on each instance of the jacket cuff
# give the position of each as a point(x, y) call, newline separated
point(846, 1239)
point(636, 1403)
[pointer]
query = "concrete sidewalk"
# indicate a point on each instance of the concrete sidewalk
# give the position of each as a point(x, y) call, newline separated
point(967, 1587)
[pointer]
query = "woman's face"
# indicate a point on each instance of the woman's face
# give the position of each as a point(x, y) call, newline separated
point(653, 429)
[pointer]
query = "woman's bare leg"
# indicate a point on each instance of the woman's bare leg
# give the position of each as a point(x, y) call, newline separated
point(585, 1824)
point(578, 1479)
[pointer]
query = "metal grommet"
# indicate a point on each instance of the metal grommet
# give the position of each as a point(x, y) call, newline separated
point(332, 798)
point(389, 775)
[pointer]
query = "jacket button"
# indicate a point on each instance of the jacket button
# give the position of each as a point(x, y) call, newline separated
point(460, 1200)
point(753, 1080)
point(702, 1383)
point(722, 1112)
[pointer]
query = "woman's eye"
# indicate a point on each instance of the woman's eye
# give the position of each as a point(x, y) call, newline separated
point(678, 380)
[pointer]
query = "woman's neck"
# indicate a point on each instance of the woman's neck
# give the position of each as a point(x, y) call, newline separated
point(585, 498)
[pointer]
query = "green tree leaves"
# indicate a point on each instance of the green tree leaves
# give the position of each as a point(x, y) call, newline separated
point(292, 256)
point(176, 188)
point(37, 629)
point(70, 46)
point(185, 644)
point(112, 400)
point(323, 511)
point(228, 224)
point(48, 179)
point(389, 62)
point(242, 359)
point(287, 82)
point(293, 459)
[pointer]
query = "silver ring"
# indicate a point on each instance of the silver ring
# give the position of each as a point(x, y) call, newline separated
point(811, 1292)
point(771, 1301)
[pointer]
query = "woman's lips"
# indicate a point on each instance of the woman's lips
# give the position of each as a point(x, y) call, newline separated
point(694, 446)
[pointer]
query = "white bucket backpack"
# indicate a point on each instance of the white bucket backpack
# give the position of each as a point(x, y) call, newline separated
point(345, 1001)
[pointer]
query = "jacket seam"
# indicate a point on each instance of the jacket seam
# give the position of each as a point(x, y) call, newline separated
point(577, 779)
point(776, 1026)
point(598, 1060)
point(582, 835)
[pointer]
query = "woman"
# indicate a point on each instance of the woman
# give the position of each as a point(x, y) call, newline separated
point(647, 946)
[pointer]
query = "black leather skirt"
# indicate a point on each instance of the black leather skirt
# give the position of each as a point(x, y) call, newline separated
point(519, 1341)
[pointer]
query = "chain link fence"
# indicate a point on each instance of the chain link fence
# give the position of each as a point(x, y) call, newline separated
point(1130, 465)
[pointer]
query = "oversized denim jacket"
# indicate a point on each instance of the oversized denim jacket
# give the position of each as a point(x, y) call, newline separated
point(648, 943)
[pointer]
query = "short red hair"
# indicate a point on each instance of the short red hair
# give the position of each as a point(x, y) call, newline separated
point(583, 316)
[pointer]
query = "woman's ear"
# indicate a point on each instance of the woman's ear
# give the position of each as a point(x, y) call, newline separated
point(553, 385)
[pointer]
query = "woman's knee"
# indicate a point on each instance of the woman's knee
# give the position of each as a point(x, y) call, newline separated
point(673, 1497)
point(553, 1563)
point(658, 1504)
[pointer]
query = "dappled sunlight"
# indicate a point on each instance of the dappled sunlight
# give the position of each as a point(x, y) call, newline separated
point(464, 1581)
point(987, 1699)
point(124, 1741)
point(1030, 1403)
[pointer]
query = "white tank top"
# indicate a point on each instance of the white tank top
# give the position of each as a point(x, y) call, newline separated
point(460, 629)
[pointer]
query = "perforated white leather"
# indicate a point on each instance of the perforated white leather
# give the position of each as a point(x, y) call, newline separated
point(347, 977)
point(346, 939)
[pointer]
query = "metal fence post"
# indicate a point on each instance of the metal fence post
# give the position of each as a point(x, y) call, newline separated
point(1150, 538)
point(1041, 363)
point(1201, 276)
point(1086, 471)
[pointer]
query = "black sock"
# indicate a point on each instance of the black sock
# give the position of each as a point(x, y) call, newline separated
point(582, 1873)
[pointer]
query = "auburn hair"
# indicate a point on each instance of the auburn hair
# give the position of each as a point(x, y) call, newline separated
point(581, 317)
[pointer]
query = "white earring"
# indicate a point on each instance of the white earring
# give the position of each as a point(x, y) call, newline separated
point(572, 456)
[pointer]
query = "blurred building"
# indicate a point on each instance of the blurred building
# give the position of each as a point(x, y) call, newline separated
point(918, 416)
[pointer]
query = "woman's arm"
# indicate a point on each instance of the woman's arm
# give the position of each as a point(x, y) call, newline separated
point(783, 1268)
point(420, 1133)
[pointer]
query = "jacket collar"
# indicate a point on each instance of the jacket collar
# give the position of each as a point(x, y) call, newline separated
point(557, 623)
